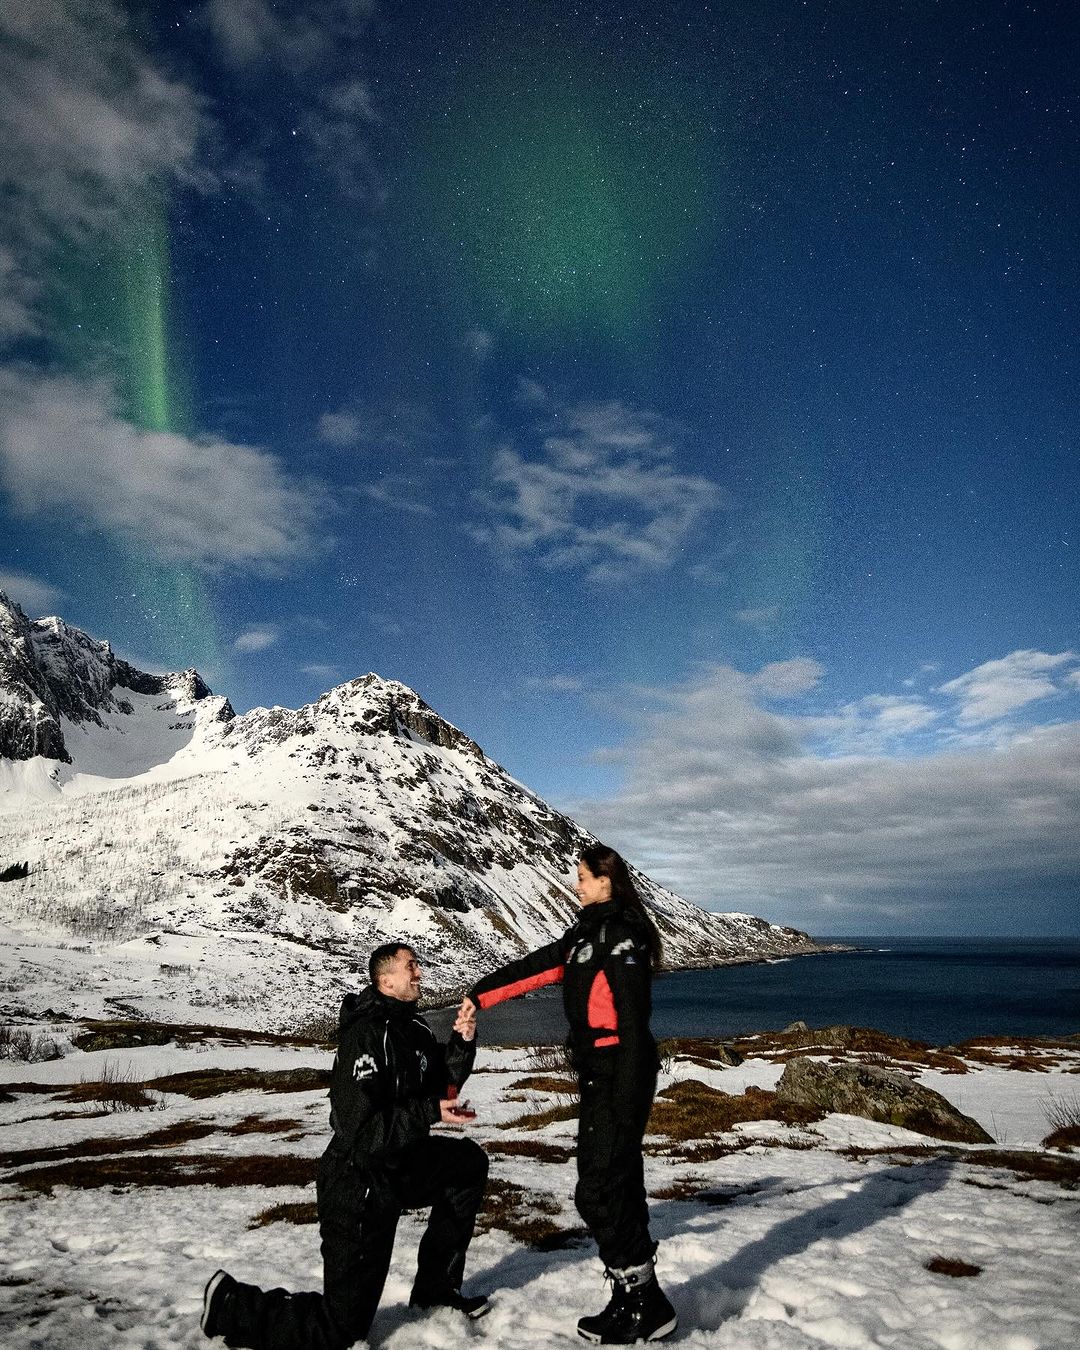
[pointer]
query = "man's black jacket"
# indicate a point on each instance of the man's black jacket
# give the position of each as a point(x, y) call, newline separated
point(389, 1076)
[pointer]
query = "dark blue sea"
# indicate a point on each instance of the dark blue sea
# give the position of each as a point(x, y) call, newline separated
point(939, 990)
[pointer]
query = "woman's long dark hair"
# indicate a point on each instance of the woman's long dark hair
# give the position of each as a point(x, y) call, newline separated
point(605, 862)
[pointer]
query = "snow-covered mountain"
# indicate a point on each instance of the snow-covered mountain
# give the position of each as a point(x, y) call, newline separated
point(189, 864)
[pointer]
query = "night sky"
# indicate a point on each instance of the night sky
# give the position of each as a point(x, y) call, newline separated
point(682, 398)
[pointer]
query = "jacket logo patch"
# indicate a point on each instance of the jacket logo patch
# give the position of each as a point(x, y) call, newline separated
point(364, 1066)
point(625, 949)
point(583, 954)
point(423, 1062)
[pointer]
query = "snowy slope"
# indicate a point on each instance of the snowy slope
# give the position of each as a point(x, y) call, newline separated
point(185, 862)
point(779, 1238)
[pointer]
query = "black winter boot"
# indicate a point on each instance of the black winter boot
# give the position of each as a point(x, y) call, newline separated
point(593, 1328)
point(220, 1290)
point(639, 1310)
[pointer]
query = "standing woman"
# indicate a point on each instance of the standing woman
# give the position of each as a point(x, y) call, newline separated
point(605, 962)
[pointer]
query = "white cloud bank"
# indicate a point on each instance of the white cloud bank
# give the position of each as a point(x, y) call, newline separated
point(65, 451)
point(603, 493)
point(839, 822)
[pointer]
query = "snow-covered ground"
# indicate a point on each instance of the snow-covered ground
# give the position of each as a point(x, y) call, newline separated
point(786, 1242)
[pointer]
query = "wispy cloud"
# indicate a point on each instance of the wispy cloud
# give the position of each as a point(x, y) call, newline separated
point(34, 595)
point(87, 123)
point(555, 684)
point(395, 432)
point(999, 687)
point(257, 638)
point(64, 449)
point(602, 493)
point(868, 809)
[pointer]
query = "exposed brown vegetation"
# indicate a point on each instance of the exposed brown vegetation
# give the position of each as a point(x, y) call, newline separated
point(536, 1120)
point(115, 1090)
point(1027, 1165)
point(702, 1151)
point(537, 1082)
point(125, 1034)
point(691, 1109)
point(539, 1149)
point(854, 1042)
point(945, 1265)
point(1063, 1116)
point(262, 1125)
point(201, 1083)
point(1027, 1054)
point(183, 1132)
point(1065, 1138)
point(305, 1211)
point(171, 1170)
point(526, 1217)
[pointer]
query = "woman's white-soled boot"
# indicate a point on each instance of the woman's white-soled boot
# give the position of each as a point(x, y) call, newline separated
point(639, 1310)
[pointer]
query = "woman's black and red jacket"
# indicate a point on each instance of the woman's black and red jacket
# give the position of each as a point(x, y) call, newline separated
point(603, 964)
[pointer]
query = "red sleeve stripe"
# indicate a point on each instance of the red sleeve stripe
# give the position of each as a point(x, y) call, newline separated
point(606, 1040)
point(519, 987)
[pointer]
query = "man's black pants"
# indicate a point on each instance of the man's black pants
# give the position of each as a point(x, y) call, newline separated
point(610, 1193)
point(358, 1215)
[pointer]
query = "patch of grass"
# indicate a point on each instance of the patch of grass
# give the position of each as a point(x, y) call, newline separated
point(1065, 1138)
point(699, 1050)
point(537, 1082)
point(1025, 1164)
point(856, 1042)
point(171, 1170)
point(539, 1149)
point(946, 1265)
point(117, 1034)
point(263, 1125)
point(1026, 1054)
point(199, 1083)
point(686, 1188)
point(703, 1151)
point(183, 1132)
point(691, 1109)
point(1062, 1113)
point(306, 1211)
point(537, 1120)
point(116, 1090)
point(526, 1217)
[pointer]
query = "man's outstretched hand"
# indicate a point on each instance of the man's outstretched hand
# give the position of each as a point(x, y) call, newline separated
point(465, 1022)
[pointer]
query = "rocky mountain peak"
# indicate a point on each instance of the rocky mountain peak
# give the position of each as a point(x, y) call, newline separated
point(51, 671)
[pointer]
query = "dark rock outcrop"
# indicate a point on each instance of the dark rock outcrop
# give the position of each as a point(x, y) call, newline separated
point(884, 1095)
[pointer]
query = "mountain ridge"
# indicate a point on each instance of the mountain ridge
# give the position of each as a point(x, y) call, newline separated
point(184, 858)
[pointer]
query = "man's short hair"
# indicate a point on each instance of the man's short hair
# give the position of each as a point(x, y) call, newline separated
point(382, 958)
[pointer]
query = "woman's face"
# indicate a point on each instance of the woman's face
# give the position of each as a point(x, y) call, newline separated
point(591, 890)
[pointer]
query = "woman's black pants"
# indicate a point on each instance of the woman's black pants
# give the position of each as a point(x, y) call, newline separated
point(610, 1193)
point(358, 1216)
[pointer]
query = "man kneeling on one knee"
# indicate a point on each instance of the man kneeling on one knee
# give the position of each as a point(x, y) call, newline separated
point(392, 1080)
